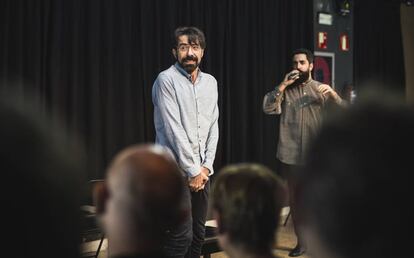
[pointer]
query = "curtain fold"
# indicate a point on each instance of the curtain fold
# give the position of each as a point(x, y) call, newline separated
point(378, 50)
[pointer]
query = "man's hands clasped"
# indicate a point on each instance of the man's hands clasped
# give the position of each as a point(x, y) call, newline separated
point(198, 182)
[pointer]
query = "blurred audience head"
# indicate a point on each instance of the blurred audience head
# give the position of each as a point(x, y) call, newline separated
point(356, 188)
point(141, 199)
point(246, 201)
point(41, 175)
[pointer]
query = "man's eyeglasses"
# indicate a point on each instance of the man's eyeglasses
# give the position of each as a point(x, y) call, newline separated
point(186, 47)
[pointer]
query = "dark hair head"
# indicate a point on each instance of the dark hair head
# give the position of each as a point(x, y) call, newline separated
point(356, 185)
point(307, 52)
point(195, 36)
point(248, 199)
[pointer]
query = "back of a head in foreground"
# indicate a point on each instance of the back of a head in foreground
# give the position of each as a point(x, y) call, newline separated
point(246, 200)
point(144, 187)
point(39, 194)
point(355, 191)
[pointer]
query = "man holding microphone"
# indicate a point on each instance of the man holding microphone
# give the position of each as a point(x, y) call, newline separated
point(299, 100)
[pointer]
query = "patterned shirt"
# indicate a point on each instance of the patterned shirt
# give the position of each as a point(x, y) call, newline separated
point(186, 117)
point(300, 108)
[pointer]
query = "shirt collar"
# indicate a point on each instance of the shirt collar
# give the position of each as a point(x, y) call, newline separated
point(307, 82)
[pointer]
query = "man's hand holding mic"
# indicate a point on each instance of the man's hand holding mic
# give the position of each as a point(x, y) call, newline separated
point(290, 78)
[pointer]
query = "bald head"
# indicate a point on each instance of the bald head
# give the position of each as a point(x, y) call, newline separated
point(147, 167)
point(145, 187)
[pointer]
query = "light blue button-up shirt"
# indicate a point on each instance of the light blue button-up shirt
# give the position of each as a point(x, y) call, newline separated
point(186, 117)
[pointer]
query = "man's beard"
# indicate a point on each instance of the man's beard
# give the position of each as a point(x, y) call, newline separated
point(189, 68)
point(303, 77)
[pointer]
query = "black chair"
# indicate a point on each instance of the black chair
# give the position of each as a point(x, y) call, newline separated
point(91, 230)
point(210, 244)
point(287, 218)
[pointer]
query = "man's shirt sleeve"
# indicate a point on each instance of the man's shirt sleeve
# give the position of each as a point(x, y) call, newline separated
point(166, 101)
point(272, 102)
point(212, 140)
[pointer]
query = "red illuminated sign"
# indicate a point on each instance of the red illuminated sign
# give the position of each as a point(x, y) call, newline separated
point(344, 42)
point(323, 40)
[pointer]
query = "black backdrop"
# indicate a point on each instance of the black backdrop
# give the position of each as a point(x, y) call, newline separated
point(91, 65)
point(378, 55)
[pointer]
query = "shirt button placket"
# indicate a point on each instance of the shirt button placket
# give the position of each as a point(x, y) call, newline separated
point(197, 115)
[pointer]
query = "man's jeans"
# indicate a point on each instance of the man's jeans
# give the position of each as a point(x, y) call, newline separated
point(186, 239)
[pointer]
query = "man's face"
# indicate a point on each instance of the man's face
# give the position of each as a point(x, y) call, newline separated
point(187, 54)
point(300, 62)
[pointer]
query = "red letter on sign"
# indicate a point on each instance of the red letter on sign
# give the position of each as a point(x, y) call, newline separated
point(344, 42)
point(323, 40)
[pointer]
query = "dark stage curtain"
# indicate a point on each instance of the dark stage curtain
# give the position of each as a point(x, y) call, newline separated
point(378, 53)
point(92, 63)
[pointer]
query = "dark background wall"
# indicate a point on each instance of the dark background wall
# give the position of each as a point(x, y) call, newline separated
point(340, 24)
point(378, 47)
point(407, 23)
point(376, 54)
point(91, 64)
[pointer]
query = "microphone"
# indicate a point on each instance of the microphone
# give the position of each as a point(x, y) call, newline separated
point(293, 74)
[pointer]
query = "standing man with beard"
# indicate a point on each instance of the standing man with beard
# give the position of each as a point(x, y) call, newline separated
point(186, 122)
point(299, 100)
